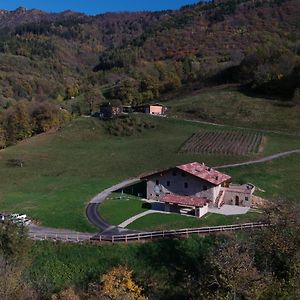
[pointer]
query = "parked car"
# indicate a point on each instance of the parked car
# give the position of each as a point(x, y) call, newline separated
point(20, 220)
point(26, 222)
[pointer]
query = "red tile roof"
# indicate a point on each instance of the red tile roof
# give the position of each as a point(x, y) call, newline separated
point(206, 173)
point(196, 169)
point(184, 200)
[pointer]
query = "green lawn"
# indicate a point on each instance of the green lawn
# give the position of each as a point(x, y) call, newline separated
point(58, 265)
point(232, 107)
point(280, 178)
point(64, 170)
point(176, 221)
point(115, 210)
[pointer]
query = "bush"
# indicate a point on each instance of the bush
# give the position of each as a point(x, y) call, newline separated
point(128, 126)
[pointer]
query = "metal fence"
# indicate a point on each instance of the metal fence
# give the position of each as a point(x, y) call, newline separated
point(72, 238)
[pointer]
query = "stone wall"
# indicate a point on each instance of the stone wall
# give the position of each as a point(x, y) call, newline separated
point(180, 183)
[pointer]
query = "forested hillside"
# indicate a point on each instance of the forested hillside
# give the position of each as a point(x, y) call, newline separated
point(137, 57)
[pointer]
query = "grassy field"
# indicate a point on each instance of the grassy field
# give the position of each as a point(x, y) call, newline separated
point(280, 179)
point(175, 221)
point(232, 107)
point(64, 170)
point(58, 266)
point(115, 210)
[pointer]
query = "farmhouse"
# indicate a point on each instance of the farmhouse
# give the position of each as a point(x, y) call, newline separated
point(195, 186)
point(152, 109)
point(111, 109)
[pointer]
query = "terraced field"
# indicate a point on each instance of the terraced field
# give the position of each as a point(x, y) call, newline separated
point(223, 142)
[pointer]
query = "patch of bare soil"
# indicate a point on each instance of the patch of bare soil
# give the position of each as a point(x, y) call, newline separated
point(260, 202)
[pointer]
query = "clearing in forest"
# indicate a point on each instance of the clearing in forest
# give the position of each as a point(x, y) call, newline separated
point(223, 142)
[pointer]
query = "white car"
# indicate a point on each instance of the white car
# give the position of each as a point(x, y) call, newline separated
point(26, 222)
point(22, 217)
point(17, 217)
point(14, 216)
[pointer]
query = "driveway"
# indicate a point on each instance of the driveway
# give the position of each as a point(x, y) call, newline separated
point(94, 216)
point(229, 210)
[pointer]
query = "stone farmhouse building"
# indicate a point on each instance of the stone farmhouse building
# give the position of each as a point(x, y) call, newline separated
point(197, 187)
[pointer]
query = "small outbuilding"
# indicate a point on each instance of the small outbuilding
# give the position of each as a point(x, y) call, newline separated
point(152, 109)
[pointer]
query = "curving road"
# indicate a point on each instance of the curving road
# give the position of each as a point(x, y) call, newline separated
point(260, 160)
point(97, 220)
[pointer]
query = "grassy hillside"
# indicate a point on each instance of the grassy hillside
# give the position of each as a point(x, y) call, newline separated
point(279, 179)
point(63, 265)
point(63, 170)
point(231, 107)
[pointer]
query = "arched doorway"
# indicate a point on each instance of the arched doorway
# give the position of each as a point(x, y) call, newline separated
point(237, 200)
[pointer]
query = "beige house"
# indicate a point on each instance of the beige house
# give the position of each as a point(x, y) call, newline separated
point(156, 109)
point(152, 109)
point(195, 186)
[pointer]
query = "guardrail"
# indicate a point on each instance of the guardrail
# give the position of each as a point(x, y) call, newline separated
point(72, 238)
point(125, 238)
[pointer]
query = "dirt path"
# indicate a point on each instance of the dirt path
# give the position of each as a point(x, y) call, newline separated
point(236, 127)
point(260, 160)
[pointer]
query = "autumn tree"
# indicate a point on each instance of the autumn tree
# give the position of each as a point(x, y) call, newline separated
point(14, 259)
point(24, 126)
point(118, 284)
point(233, 272)
point(2, 138)
point(93, 98)
point(72, 90)
point(68, 294)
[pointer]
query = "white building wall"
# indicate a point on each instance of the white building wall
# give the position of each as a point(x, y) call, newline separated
point(201, 211)
point(181, 184)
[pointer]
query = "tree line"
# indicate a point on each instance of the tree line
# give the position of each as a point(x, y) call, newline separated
point(25, 119)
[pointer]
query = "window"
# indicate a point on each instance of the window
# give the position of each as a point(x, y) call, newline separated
point(204, 188)
point(186, 185)
point(246, 199)
point(157, 182)
point(168, 183)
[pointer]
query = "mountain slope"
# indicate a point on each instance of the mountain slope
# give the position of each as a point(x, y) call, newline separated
point(136, 57)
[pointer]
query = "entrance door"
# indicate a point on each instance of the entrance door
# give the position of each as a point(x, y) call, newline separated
point(237, 200)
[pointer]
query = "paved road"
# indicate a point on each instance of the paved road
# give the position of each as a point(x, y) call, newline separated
point(97, 220)
point(260, 160)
